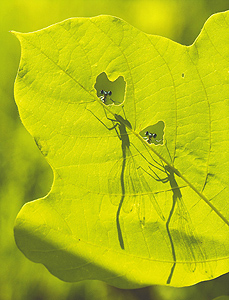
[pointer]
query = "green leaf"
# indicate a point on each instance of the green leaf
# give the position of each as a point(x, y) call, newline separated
point(140, 192)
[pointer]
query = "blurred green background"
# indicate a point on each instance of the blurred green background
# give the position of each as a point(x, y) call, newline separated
point(24, 174)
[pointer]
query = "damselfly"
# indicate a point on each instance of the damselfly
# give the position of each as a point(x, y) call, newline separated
point(186, 245)
point(127, 185)
point(104, 96)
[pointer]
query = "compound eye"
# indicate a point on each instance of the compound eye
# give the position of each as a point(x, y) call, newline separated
point(147, 133)
point(109, 93)
point(154, 135)
point(102, 92)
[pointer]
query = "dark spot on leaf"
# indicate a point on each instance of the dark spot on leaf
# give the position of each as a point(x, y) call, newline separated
point(22, 72)
point(40, 146)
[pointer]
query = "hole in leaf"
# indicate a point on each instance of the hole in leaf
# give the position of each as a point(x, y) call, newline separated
point(154, 134)
point(110, 92)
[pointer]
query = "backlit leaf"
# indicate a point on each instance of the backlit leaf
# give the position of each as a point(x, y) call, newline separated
point(136, 130)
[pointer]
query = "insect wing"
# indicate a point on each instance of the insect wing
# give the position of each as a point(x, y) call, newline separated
point(133, 195)
point(127, 183)
point(185, 236)
point(122, 183)
point(114, 182)
point(149, 193)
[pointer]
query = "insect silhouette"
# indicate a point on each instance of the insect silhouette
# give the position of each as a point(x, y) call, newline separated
point(131, 189)
point(179, 225)
point(126, 181)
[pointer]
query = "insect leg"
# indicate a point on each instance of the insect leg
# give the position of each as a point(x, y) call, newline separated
point(109, 128)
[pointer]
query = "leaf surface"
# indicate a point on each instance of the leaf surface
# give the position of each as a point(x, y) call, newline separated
point(140, 191)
